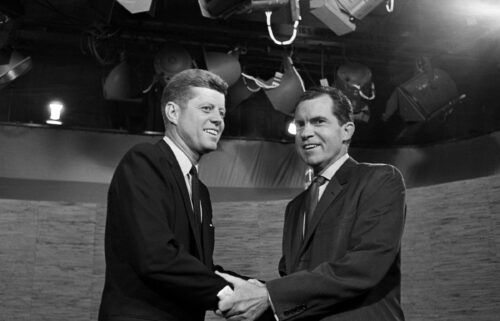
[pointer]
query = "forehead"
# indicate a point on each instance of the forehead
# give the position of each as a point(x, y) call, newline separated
point(202, 95)
point(321, 106)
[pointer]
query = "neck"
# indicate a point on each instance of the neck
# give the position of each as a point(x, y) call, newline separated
point(172, 133)
point(320, 169)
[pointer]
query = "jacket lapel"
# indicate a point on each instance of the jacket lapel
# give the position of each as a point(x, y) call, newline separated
point(207, 240)
point(331, 193)
point(294, 238)
point(181, 185)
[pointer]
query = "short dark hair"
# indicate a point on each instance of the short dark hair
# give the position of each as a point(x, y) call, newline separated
point(178, 89)
point(341, 105)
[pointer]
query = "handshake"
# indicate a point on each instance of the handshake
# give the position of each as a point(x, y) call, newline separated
point(248, 301)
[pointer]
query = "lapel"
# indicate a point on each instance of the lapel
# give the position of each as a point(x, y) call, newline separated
point(207, 240)
point(331, 193)
point(293, 232)
point(181, 185)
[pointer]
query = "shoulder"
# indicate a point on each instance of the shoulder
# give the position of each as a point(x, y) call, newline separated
point(380, 173)
point(378, 169)
point(142, 154)
point(147, 150)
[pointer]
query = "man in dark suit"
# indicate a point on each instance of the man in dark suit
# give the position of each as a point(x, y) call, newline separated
point(159, 236)
point(342, 236)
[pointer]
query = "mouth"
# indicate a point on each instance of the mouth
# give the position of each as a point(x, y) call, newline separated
point(212, 132)
point(308, 147)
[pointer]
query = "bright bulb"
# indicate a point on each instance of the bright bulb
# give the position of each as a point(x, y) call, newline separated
point(292, 129)
point(55, 108)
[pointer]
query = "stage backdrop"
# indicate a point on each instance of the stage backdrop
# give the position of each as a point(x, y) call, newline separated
point(52, 264)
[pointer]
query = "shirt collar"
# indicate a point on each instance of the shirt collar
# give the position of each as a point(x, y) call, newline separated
point(184, 162)
point(332, 169)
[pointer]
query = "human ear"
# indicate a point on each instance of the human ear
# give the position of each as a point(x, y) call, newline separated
point(347, 131)
point(172, 112)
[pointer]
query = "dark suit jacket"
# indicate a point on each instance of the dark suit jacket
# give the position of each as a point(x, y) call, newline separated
point(158, 262)
point(348, 265)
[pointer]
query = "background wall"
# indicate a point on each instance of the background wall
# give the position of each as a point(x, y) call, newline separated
point(52, 260)
point(53, 186)
point(50, 154)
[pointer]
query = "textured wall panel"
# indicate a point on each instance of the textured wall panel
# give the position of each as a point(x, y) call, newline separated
point(52, 260)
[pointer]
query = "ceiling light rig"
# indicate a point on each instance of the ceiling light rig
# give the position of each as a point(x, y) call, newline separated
point(340, 15)
point(224, 9)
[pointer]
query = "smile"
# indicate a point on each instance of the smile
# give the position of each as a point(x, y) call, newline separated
point(310, 146)
point(212, 132)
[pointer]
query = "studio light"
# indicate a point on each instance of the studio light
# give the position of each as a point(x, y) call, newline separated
point(423, 97)
point(226, 66)
point(136, 6)
point(355, 81)
point(292, 128)
point(12, 65)
point(291, 86)
point(340, 15)
point(172, 58)
point(121, 84)
point(55, 109)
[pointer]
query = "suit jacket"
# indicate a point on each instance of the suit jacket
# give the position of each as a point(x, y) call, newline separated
point(347, 267)
point(158, 257)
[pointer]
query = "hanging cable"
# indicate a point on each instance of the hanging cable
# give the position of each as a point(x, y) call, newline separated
point(273, 83)
point(358, 87)
point(389, 5)
point(271, 34)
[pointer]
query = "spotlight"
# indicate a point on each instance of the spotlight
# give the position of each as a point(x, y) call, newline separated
point(121, 84)
point(292, 129)
point(287, 94)
point(136, 6)
point(227, 66)
point(55, 108)
point(12, 65)
point(339, 15)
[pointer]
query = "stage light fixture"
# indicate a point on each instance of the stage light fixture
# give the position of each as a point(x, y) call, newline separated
point(172, 58)
point(291, 86)
point(423, 97)
point(12, 65)
point(121, 84)
point(136, 6)
point(55, 109)
point(225, 65)
point(340, 15)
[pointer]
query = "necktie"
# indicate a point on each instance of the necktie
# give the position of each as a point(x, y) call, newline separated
point(312, 198)
point(195, 192)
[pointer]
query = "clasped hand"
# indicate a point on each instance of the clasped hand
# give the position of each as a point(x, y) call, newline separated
point(248, 301)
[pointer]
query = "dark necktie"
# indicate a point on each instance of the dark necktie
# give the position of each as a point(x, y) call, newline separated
point(312, 198)
point(195, 192)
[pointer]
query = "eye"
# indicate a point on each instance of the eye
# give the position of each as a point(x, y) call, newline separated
point(222, 113)
point(207, 108)
point(318, 121)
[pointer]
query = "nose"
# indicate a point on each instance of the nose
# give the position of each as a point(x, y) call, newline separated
point(216, 118)
point(306, 131)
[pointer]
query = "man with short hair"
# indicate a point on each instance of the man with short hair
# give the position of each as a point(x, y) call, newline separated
point(159, 236)
point(342, 236)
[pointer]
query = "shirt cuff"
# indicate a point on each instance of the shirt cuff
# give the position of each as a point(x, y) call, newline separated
point(272, 306)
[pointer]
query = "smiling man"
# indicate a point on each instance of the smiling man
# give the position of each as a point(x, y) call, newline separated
point(342, 236)
point(159, 236)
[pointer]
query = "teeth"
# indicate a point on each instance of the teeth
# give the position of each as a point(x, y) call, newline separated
point(310, 146)
point(211, 132)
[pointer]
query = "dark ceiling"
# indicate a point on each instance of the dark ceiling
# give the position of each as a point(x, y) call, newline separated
point(74, 44)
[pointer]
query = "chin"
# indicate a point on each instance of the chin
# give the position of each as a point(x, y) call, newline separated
point(210, 147)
